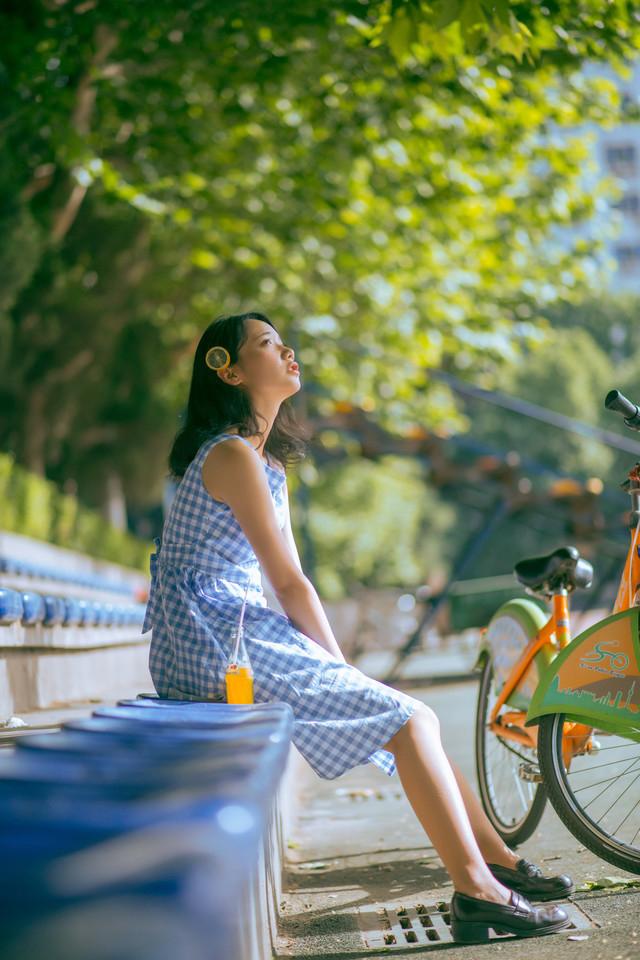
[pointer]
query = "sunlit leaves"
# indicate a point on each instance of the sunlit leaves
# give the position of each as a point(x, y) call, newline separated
point(357, 162)
point(522, 31)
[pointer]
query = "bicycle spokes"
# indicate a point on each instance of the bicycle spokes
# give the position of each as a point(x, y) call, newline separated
point(508, 775)
point(598, 794)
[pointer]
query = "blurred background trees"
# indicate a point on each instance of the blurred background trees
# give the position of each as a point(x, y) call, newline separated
point(380, 178)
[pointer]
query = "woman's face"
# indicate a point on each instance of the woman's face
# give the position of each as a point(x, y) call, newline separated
point(265, 364)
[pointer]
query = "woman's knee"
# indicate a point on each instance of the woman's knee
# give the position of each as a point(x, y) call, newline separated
point(421, 718)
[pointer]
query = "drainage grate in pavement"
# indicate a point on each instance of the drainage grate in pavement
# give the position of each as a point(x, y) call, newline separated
point(423, 925)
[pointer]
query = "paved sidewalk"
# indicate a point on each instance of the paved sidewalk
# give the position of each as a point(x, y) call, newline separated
point(357, 850)
point(453, 658)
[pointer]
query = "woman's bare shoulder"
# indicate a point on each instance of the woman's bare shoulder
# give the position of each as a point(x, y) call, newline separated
point(226, 461)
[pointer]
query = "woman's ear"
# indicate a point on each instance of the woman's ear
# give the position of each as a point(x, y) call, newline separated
point(229, 376)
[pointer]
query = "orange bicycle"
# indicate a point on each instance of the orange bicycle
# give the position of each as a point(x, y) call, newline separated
point(559, 718)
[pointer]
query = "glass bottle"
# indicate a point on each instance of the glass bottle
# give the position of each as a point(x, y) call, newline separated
point(238, 673)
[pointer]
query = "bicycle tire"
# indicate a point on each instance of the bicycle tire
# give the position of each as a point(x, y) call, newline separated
point(513, 829)
point(572, 811)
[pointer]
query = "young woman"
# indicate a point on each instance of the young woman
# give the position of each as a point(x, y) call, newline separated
point(228, 520)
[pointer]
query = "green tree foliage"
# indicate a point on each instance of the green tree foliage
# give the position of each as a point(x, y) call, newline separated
point(34, 507)
point(378, 177)
point(377, 524)
point(589, 348)
point(562, 32)
point(569, 374)
point(612, 323)
point(166, 164)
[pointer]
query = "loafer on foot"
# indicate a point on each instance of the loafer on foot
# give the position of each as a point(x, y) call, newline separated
point(527, 878)
point(473, 918)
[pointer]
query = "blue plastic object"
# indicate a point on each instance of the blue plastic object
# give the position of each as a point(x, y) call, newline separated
point(135, 830)
point(72, 612)
point(11, 606)
point(100, 614)
point(54, 611)
point(26, 568)
point(196, 714)
point(177, 747)
point(64, 827)
point(206, 708)
point(146, 701)
point(85, 609)
point(32, 608)
point(131, 728)
point(164, 892)
point(78, 784)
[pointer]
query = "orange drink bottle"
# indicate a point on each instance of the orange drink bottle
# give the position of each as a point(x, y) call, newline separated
point(239, 675)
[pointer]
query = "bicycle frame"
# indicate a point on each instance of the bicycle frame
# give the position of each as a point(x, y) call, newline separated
point(555, 632)
point(567, 685)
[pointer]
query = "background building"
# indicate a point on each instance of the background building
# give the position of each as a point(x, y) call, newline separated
point(617, 152)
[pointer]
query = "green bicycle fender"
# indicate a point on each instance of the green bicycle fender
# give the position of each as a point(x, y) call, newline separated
point(596, 677)
point(531, 618)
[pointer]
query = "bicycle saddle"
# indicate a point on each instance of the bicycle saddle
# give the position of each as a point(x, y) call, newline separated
point(562, 568)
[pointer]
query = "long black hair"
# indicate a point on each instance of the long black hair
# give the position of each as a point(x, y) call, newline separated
point(214, 405)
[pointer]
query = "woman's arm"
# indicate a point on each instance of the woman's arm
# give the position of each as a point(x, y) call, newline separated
point(304, 609)
point(297, 607)
point(288, 533)
point(240, 482)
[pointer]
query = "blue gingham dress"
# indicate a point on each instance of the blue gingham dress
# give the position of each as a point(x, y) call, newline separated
point(199, 573)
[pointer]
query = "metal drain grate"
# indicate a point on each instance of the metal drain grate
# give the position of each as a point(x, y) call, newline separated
point(404, 927)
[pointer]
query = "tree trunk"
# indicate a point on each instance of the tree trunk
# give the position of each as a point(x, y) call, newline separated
point(115, 507)
point(34, 432)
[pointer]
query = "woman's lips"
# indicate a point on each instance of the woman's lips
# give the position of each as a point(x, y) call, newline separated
point(294, 368)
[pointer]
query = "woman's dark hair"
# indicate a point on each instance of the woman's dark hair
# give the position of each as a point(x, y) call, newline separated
point(214, 405)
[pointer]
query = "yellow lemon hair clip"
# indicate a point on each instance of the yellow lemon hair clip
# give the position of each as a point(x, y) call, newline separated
point(217, 358)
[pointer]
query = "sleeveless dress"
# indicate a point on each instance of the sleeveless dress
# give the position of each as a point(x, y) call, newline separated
point(199, 574)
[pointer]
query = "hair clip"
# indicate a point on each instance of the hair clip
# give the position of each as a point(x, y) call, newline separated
point(217, 358)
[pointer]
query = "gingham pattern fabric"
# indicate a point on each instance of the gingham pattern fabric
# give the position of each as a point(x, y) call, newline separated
point(199, 573)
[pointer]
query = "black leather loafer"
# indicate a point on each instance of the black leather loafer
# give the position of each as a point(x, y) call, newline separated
point(527, 878)
point(472, 918)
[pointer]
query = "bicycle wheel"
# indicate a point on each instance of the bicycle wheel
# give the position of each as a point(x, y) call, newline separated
point(598, 798)
point(514, 805)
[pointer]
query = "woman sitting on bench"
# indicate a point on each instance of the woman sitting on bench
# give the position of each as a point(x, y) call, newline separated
point(229, 518)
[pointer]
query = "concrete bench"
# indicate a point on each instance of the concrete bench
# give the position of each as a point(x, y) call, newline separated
point(29, 608)
point(16, 567)
point(30, 564)
point(70, 629)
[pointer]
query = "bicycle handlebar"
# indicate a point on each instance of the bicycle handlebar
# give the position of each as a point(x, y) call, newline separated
point(618, 402)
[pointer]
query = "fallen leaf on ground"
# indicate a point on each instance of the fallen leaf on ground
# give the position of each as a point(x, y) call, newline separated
point(604, 883)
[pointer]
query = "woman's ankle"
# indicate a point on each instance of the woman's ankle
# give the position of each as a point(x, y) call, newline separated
point(505, 859)
point(494, 893)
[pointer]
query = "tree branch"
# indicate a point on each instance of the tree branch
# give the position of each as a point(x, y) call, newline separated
point(70, 369)
point(105, 41)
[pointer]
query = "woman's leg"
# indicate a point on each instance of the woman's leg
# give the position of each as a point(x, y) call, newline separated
point(433, 791)
point(492, 846)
